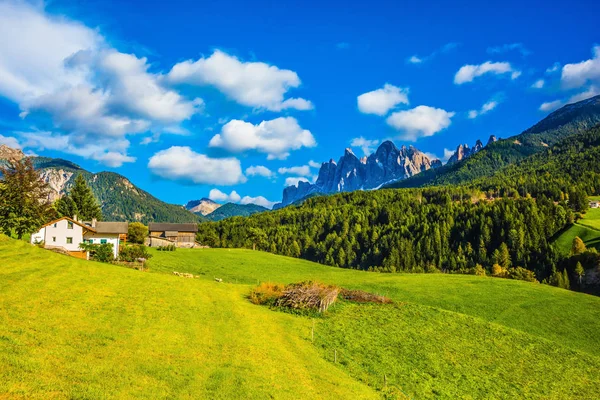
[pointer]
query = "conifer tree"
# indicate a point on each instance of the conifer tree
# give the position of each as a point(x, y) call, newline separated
point(579, 271)
point(66, 207)
point(84, 199)
point(578, 246)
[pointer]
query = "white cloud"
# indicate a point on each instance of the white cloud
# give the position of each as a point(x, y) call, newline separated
point(234, 197)
point(380, 101)
point(579, 74)
point(259, 200)
point(551, 105)
point(259, 170)
point(415, 60)
point(217, 195)
point(10, 141)
point(538, 84)
point(487, 107)
point(275, 137)
point(301, 170)
point(293, 181)
point(554, 68)
point(60, 69)
point(366, 145)
point(421, 121)
point(182, 163)
point(314, 164)
point(590, 92)
point(447, 154)
point(467, 73)
point(254, 84)
point(509, 47)
point(79, 146)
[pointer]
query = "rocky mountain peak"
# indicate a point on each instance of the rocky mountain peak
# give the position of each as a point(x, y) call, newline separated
point(203, 206)
point(492, 139)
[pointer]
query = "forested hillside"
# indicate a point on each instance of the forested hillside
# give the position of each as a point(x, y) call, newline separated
point(508, 220)
point(568, 120)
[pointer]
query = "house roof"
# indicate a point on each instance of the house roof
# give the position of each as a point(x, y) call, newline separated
point(159, 227)
point(111, 227)
point(69, 219)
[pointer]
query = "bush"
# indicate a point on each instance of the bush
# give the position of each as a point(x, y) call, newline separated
point(498, 271)
point(101, 252)
point(170, 247)
point(137, 232)
point(133, 252)
point(521, 274)
point(479, 270)
point(266, 293)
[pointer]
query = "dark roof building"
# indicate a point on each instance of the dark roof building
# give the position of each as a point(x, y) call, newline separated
point(164, 227)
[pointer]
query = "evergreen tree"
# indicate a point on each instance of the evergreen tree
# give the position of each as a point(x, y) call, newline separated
point(579, 271)
point(137, 232)
point(566, 281)
point(66, 207)
point(84, 199)
point(24, 198)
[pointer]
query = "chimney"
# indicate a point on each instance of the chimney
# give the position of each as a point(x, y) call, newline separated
point(94, 220)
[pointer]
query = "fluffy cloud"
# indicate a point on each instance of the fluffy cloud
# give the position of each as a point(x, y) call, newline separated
point(293, 181)
point(447, 154)
point(275, 137)
point(217, 195)
point(254, 84)
point(366, 145)
point(79, 146)
point(509, 47)
point(487, 107)
point(415, 60)
point(538, 84)
point(380, 101)
point(590, 92)
point(234, 197)
point(10, 142)
point(182, 163)
point(579, 74)
point(467, 73)
point(421, 121)
point(260, 171)
point(301, 170)
point(551, 105)
point(89, 92)
point(314, 164)
point(554, 68)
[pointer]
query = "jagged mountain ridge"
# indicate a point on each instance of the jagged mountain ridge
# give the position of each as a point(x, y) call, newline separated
point(388, 163)
point(464, 151)
point(235, 210)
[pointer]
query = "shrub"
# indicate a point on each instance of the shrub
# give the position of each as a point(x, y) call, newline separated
point(137, 232)
point(521, 274)
point(266, 293)
point(132, 253)
point(479, 270)
point(498, 271)
point(170, 247)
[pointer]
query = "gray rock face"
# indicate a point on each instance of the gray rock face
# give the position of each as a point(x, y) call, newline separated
point(463, 150)
point(350, 173)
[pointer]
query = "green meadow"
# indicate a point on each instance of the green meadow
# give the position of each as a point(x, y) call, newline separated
point(76, 329)
point(587, 228)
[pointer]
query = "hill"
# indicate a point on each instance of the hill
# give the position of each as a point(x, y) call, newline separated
point(587, 229)
point(203, 206)
point(235, 210)
point(119, 198)
point(568, 120)
point(155, 335)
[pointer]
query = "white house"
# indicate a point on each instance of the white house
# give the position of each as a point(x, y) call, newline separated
point(67, 234)
point(594, 204)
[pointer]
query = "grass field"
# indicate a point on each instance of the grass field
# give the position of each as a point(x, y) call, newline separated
point(76, 329)
point(588, 230)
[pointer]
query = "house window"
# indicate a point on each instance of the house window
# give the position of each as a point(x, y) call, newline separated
point(55, 224)
point(69, 225)
point(54, 238)
point(69, 240)
point(102, 241)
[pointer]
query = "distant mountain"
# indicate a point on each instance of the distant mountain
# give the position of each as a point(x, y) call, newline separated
point(235, 210)
point(119, 199)
point(8, 153)
point(203, 206)
point(568, 120)
point(350, 173)
point(464, 151)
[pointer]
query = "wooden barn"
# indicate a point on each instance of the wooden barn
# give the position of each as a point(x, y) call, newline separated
point(181, 235)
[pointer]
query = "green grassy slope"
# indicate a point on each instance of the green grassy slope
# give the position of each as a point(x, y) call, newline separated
point(70, 328)
point(587, 228)
point(76, 329)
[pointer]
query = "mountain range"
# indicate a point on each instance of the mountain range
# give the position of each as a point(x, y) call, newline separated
point(214, 211)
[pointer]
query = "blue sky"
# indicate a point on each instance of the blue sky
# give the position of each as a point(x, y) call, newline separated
point(185, 98)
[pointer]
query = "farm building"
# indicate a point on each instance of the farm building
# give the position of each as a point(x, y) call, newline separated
point(67, 234)
point(594, 204)
point(163, 234)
